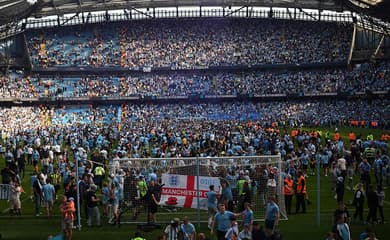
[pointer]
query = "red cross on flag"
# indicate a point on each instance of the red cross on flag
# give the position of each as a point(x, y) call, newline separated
point(182, 190)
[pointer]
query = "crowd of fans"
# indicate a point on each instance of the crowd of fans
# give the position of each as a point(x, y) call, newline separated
point(52, 150)
point(19, 118)
point(360, 79)
point(314, 113)
point(50, 139)
point(257, 83)
point(193, 43)
point(15, 85)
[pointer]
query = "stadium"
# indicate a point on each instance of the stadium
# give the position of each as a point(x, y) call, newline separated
point(117, 117)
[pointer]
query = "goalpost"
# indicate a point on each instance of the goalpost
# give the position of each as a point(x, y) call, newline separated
point(266, 174)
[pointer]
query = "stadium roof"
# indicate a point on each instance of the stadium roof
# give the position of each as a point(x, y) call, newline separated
point(12, 10)
point(66, 5)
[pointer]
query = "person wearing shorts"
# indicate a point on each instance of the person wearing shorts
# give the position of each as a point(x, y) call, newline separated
point(271, 216)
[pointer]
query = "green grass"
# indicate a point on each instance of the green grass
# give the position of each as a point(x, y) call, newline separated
point(302, 226)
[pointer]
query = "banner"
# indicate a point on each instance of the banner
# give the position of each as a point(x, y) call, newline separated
point(181, 190)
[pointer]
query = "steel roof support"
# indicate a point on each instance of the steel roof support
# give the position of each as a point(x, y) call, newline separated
point(237, 10)
point(68, 19)
point(141, 12)
point(308, 14)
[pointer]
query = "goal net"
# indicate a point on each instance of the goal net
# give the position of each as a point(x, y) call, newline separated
point(184, 182)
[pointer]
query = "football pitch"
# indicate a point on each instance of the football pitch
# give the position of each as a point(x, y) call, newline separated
point(301, 226)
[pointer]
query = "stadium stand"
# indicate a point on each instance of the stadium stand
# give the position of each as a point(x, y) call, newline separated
point(365, 77)
point(188, 44)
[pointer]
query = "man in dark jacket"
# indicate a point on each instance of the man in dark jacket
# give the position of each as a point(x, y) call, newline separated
point(340, 189)
point(372, 202)
point(358, 201)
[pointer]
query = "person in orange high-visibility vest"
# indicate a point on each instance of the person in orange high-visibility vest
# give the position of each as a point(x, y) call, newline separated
point(301, 193)
point(294, 133)
point(288, 192)
point(384, 137)
point(336, 136)
point(352, 136)
point(67, 210)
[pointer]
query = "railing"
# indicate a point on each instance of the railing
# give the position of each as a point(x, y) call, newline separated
point(197, 98)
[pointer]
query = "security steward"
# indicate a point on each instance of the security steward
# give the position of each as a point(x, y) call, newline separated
point(288, 192)
point(301, 193)
point(142, 188)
